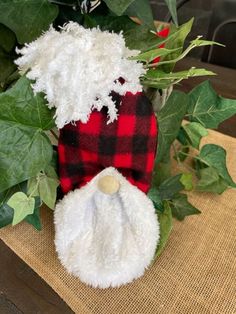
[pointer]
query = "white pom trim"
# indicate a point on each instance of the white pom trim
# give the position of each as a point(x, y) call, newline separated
point(106, 240)
point(78, 68)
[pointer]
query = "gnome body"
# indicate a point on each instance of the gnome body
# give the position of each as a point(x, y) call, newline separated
point(106, 230)
point(106, 227)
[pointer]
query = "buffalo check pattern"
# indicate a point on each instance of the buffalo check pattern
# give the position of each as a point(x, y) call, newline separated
point(127, 144)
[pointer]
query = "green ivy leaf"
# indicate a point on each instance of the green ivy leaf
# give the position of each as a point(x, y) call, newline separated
point(150, 55)
point(27, 18)
point(158, 79)
point(210, 181)
point(187, 181)
point(201, 42)
point(6, 212)
point(115, 23)
point(156, 74)
point(7, 38)
point(118, 7)
point(33, 186)
point(22, 205)
point(48, 184)
point(7, 67)
point(154, 195)
point(176, 39)
point(89, 22)
point(165, 221)
point(181, 207)
point(194, 132)
point(141, 9)
point(170, 187)
point(169, 121)
point(215, 156)
point(207, 108)
point(161, 171)
point(45, 185)
point(141, 38)
point(34, 219)
point(171, 4)
point(25, 149)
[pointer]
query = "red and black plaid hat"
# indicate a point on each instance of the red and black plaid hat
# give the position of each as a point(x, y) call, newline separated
point(127, 144)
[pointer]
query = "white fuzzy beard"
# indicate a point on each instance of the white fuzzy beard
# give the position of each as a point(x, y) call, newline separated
point(78, 68)
point(106, 240)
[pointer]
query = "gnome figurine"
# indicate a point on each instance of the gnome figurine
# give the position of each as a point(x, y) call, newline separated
point(106, 227)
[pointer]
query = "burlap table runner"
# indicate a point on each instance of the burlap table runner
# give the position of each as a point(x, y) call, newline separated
point(195, 274)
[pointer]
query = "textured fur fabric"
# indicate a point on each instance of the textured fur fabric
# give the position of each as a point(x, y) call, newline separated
point(106, 240)
point(77, 69)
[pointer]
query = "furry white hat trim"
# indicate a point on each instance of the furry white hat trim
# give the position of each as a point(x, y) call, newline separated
point(106, 240)
point(77, 69)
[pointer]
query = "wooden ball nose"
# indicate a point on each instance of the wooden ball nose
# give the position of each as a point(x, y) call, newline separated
point(108, 185)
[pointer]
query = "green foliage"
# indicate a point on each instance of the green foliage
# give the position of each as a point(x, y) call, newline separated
point(25, 149)
point(6, 212)
point(176, 39)
point(168, 201)
point(192, 134)
point(115, 23)
point(138, 8)
point(214, 156)
point(27, 18)
point(156, 78)
point(45, 185)
point(170, 115)
point(193, 44)
point(150, 55)
point(7, 38)
point(155, 196)
point(141, 38)
point(142, 9)
point(173, 10)
point(181, 208)
point(34, 219)
point(207, 108)
point(187, 181)
point(211, 181)
point(22, 204)
point(118, 7)
point(182, 153)
point(7, 67)
point(170, 187)
point(165, 221)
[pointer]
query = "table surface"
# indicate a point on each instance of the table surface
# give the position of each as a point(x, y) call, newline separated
point(21, 289)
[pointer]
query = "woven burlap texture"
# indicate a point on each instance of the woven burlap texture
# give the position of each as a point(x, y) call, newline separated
point(195, 274)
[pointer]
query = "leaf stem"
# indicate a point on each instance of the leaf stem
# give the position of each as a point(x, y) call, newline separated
point(55, 135)
point(182, 164)
point(176, 154)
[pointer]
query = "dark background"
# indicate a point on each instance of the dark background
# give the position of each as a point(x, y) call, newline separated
point(208, 14)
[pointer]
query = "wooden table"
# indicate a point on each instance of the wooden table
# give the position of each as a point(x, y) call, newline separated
point(21, 289)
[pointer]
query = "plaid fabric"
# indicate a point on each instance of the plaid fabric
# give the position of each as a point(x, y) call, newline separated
point(128, 144)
